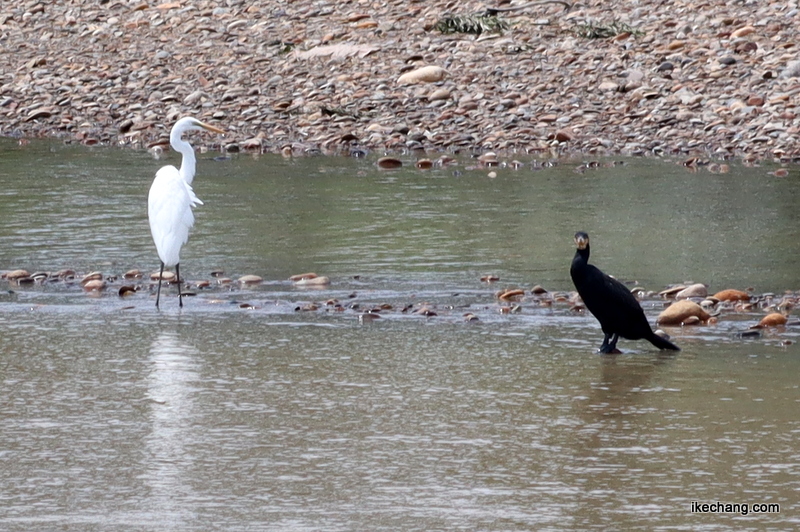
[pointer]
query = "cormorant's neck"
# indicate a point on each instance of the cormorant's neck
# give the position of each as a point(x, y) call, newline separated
point(581, 258)
point(583, 253)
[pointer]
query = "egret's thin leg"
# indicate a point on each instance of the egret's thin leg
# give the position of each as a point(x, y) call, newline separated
point(178, 274)
point(160, 275)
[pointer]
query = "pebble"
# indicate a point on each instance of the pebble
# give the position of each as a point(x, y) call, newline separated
point(167, 276)
point(695, 290)
point(313, 281)
point(16, 275)
point(731, 294)
point(439, 94)
point(95, 285)
point(514, 294)
point(774, 319)
point(93, 276)
point(126, 290)
point(683, 312)
point(302, 276)
point(130, 274)
point(389, 162)
point(426, 74)
point(287, 81)
point(743, 31)
point(564, 135)
point(671, 291)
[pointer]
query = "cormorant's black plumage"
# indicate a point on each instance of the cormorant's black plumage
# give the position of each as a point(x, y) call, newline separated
point(614, 306)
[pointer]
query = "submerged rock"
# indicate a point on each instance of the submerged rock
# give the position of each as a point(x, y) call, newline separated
point(774, 319)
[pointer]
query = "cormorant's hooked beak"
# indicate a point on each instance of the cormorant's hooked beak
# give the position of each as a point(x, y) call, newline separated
point(581, 240)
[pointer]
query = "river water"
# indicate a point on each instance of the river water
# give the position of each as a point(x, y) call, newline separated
point(267, 408)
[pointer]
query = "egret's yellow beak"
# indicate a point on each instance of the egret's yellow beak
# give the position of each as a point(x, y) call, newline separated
point(209, 127)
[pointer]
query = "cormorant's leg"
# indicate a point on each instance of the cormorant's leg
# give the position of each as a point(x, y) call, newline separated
point(612, 346)
point(160, 275)
point(604, 346)
point(178, 275)
point(609, 344)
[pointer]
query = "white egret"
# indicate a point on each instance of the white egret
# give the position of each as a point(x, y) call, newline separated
point(171, 199)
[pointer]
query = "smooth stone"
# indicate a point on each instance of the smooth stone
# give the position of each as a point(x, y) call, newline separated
point(126, 290)
point(514, 294)
point(743, 31)
point(774, 319)
point(564, 135)
point(680, 312)
point(95, 285)
point(314, 281)
point(671, 291)
point(132, 274)
point(16, 274)
point(166, 276)
point(94, 276)
point(731, 295)
point(389, 162)
point(695, 290)
point(440, 94)
point(426, 74)
point(302, 276)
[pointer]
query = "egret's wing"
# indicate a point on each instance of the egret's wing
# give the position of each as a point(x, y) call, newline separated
point(169, 209)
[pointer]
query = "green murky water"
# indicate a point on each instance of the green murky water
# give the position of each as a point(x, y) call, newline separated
point(245, 412)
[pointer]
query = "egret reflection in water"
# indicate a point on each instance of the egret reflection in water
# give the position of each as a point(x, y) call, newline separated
point(170, 387)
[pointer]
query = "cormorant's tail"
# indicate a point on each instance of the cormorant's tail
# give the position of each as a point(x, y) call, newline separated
point(662, 343)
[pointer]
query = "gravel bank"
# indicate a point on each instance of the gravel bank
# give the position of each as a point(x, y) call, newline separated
point(711, 79)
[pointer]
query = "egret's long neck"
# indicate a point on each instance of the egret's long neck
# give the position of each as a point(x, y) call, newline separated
point(188, 162)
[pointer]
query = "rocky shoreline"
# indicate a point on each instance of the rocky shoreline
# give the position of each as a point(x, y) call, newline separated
point(709, 79)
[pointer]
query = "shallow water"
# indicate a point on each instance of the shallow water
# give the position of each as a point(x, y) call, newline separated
point(243, 411)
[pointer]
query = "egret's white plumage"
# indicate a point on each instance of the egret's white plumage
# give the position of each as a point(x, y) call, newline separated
point(169, 208)
point(171, 200)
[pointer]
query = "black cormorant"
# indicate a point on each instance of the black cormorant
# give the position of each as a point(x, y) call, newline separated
point(614, 306)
